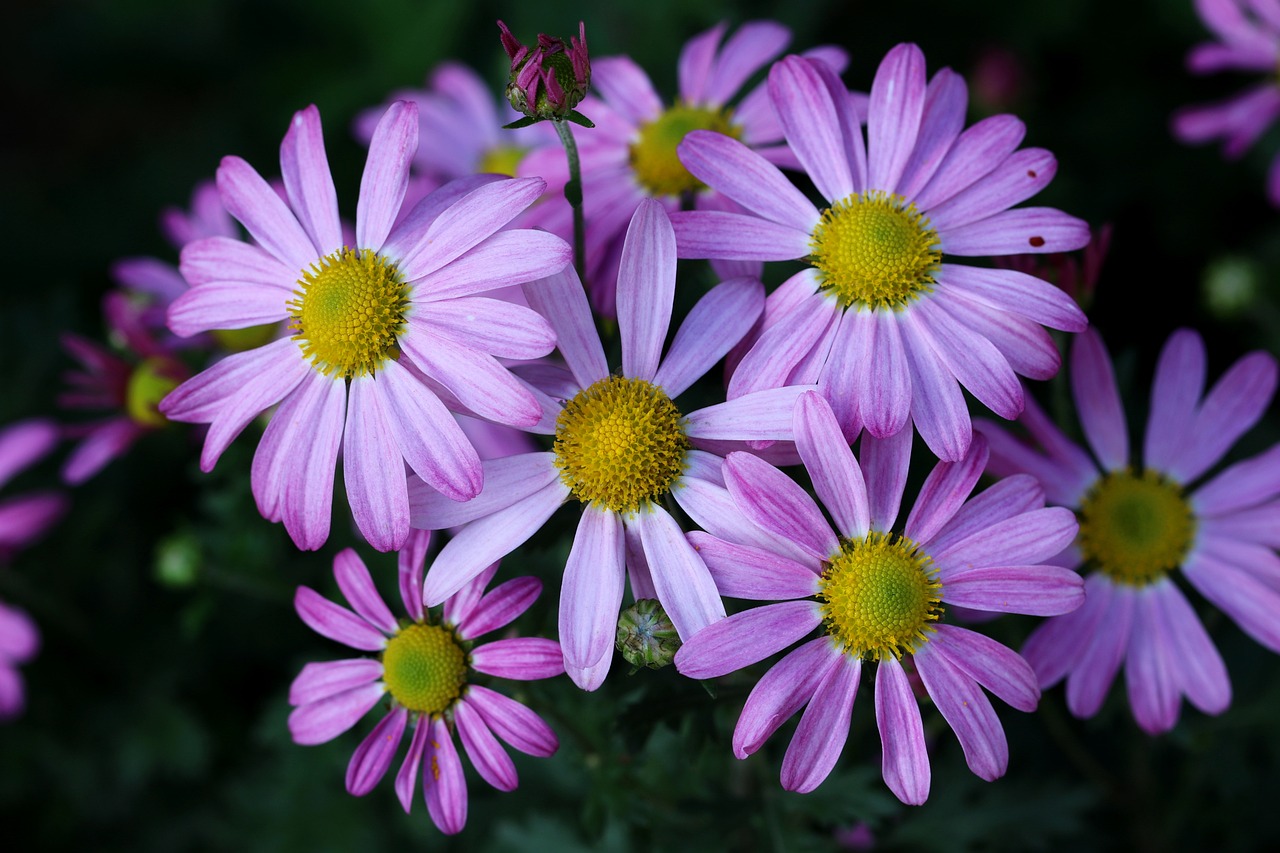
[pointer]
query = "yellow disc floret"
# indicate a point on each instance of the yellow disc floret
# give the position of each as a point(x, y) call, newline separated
point(149, 383)
point(501, 160)
point(875, 249)
point(653, 154)
point(879, 596)
point(350, 312)
point(620, 442)
point(1136, 528)
point(424, 668)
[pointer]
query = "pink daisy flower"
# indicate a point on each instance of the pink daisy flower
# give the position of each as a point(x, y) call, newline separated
point(876, 595)
point(622, 447)
point(882, 320)
point(427, 666)
point(19, 642)
point(631, 153)
point(1140, 524)
point(1248, 33)
point(25, 518)
point(369, 323)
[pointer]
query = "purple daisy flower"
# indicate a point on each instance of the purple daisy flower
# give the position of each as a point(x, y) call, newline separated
point(25, 518)
point(1139, 524)
point(621, 448)
point(425, 666)
point(1248, 34)
point(369, 324)
point(631, 153)
point(19, 642)
point(881, 320)
point(877, 596)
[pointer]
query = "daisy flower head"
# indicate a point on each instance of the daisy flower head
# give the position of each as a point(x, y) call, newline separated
point(1142, 524)
point(25, 518)
point(883, 319)
point(631, 153)
point(1248, 39)
point(372, 324)
point(19, 642)
point(877, 596)
point(429, 671)
point(622, 448)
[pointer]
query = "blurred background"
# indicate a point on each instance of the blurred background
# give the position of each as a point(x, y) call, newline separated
point(157, 705)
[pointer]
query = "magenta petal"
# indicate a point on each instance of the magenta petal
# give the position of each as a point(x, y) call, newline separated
point(906, 758)
point(336, 622)
point(1054, 648)
point(939, 410)
point(253, 202)
point(1233, 405)
point(1244, 484)
point(1010, 290)
point(1247, 599)
point(976, 152)
point(894, 114)
point(680, 578)
point(967, 710)
point(746, 638)
point(357, 586)
point(487, 755)
point(458, 607)
point(883, 380)
point(715, 324)
point(742, 571)
point(993, 665)
point(1093, 386)
point(1200, 670)
point(407, 777)
point(507, 481)
point(308, 182)
point(1150, 673)
point(321, 680)
point(837, 479)
point(370, 761)
point(519, 727)
point(1022, 230)
point(318, 722)
point(373, 469)
point(782, 691)
point(501, 606)
point(812, 125)
point(590, 595)
point(386, 174)
point(1036, 590)
point(1104, 648)
point(775, 502)
point(19, 638)
point(713, 509)
point(428, 436)
point(443, 785)
point(105, 443)
point(646, 287)
point(884, 466)
point(1012, 182)
point(823, 729)
point(1025, 539)
point(944, 491)
point(519, 658)
point(747, 178)
point(1175, 393)
point(945, 101)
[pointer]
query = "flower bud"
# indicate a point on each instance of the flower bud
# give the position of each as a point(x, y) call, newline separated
point(646, 636)
point(549, 79)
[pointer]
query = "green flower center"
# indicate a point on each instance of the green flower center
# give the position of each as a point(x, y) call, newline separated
point(424, 668)
point(879, 596)
point(653, 154)
point(620, 442)
point(1136, 528)
point(875, 249)
point(148, 384)
point(350, 312)
point(243, 340)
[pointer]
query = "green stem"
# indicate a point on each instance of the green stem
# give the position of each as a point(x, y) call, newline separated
point(573, 194)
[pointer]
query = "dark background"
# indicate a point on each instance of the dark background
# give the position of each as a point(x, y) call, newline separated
point(158, 703)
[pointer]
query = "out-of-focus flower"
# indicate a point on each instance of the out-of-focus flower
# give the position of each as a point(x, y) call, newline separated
point(24, 518)
point(881, 319)
point(427, 668)
point(1141, 524)
point(877, 596)
point(998, 79)
point(373, 325)
point(1248, 33)
point(19, 642)
point(550, 79)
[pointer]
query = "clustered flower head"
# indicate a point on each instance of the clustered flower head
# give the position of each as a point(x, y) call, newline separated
point(549, 79)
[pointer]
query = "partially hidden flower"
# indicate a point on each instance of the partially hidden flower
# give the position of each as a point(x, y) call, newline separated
point(622, 447)
point(1248, 39)
point(19, 642)
point(549, 79)
point(882, 319)
point(1143, 524)
point(430, 674)
point(381, 331)
point(877, 597)
point(25, 518)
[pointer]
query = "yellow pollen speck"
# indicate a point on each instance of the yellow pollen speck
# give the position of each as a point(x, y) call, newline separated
point(620, 442)
point(879, 596)
point(1135, 528)
point(875, 249)
point(424, 668)
point(653, 154)
point(350, 312)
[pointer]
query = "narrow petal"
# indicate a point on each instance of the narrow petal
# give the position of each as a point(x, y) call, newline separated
point(626, 88)
point(1022, 341)
point(487, 755)
point(476, 378)
point(993, 665)
point(646, 287)
point(506, 259)
point(318, 722)
point(407, 776)
point(1236, 402)
point(809, 118)
point(775, 502)
point(1037, 590)
point(1014, 181)
point(519, 658)
point(443, 785)
point(1055, 647)
point(105, 443)
point(372, 758)
point(386, 173)
point(823, 729)
point(1251, 602)
point(841, 373)
point(782, 691)
point(884, 466)
point(713, 326)
point(972, 359)
point(736, 236)
point(906, 758)
point(743, 571)
point(1104, 648)
point(428, 437)
point(1244, 484)
point(761, 415)
point(561, 299)
point(489, 325)
point(697, 58)
point(306, 502)
point(754, 45)
point(336, 622)
point(321, 680)
point(591, 594)
point(945, 101)
point(976, 152)
point(680, 578)
point(1093, 387)
point(883, 377)
point(225, 305)
point(253, 202)
point(735, 170)
point(458, 607)
point(373, 469)
point(500, 607)
point(357, 587)
point(1200, 670)
point(746, 638)
point(228, 259)
point(518, 727)
point(1025, 539)
point(967, 710)
point(938, 407)
point(894, 114)
point(944, 491)
point(1154, 694)
point(1175, 393)
point(773, 358)
point(837, 479)
point(308, 182)
point(1010, 290)
point(507, 481)
point(1020, 231)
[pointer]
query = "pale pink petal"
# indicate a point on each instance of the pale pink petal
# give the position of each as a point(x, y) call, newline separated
point(967, 710)
point(837, 479)
point(746, 638)
point(561, 299)
point(590, 596)
point(1010, 290)
point(993, 665)
point(357, 587)
point(1020, 231)
point(489, 325)
point(976, 153)
point(226, 259)
point(318, 722)
point(894, 114)
point(502, 605)
point(1025, 539)
point(783, 346)
point(646, 287)
point(714, 325)
point(944, 491)
point(475, 378)
point(1014, 181)
point(487, 755)
point(884, 466)
point(1023, 342)
point(626, 88)
point(744, 571)
point(306, 500)
point(938, 408)
point(1175, 393)
point(747, 178)
point(225, 305)
point(373, 468)
point(386, 174)
point(761, 415)
point(519, 727)
point(945, 101)
point(840, 376)
point(520, 658)
point(336, 622)
point(372, 758)
point(697, 58)
point(905, 764)
point(507, 258)
point(754, 45)
point(507, 481)
point(308, 182)
point(1037, 590)
point(253, 202)
point(883, 380)
point(1093, 387)
point(680, 578)
point(812, 125)
point(428, 437)
point(736, 236)
point(321, 680)
point(823, 729)
point(782, 691)
point(776, 503)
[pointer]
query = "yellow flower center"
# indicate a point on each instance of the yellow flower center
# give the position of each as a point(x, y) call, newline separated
point(879, 595)
point(424, 668)
point(243, 340)
point(501, 160)
point(620, 442)
point(875, 249)
point(148, 384)
point(1136, 528)
point(349, 312)
point(653, 154)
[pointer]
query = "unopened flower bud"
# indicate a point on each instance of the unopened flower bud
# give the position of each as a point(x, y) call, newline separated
point(646, 636)
point(549, 79)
